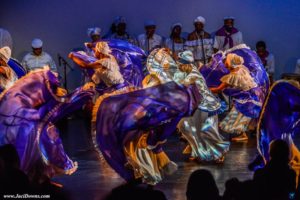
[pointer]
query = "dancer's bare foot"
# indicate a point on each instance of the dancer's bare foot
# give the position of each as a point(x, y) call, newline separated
point(220, 160)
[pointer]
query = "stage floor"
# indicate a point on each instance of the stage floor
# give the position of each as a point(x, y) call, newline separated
point(94, 177)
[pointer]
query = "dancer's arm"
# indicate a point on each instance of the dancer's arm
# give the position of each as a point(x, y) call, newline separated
point(77, 60)
point(221, 87)
point(95, 65)
point(84, 64)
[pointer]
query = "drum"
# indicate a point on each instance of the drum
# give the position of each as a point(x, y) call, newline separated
point(291, 76)
point(17, 67)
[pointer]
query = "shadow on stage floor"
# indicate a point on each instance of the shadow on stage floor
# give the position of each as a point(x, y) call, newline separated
point(94, 178)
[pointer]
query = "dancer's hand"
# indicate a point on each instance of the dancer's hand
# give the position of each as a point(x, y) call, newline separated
point(3, 71)
point(89, 86)
point(89, 45)
point(61, 92)
point(70, 55)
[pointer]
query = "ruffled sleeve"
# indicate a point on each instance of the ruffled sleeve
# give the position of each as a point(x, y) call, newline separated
point(240, 79)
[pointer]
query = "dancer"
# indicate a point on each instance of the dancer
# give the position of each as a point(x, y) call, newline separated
point(120, 60)
point(244, 79)
point(28, 113)
point(132, 126)
point(7, 75)
point(238, 78)
point(201, 129)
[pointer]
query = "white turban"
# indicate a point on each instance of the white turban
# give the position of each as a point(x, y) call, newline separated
point(5, 53)
point(93, 31)
point(102, 47)
point(200, 19)
point(176, 24)
point(37, 43)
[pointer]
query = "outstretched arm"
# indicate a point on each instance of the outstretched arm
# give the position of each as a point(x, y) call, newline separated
point(95, 65)
point(84, 62)
point(77, 60)
point(219, 88)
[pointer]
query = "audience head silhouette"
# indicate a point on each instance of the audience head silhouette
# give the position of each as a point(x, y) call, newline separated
point(279, 151)
point(10, 156)
point(202, 185)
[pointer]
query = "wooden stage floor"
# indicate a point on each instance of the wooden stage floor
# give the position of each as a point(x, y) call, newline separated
point(94, 177)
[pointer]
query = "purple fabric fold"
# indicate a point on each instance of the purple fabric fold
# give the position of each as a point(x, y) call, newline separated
point(122, 118)
point(243, 100)
point(281, 115)
point(16, 67)
point(131, 60)
point(28, 111)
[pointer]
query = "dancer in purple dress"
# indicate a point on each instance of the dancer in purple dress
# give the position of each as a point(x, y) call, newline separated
point(28, 113)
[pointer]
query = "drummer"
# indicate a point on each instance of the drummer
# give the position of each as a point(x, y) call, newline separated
point(38, 59)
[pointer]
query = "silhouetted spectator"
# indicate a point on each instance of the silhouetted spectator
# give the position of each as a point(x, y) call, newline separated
point(12, 179)
point(135, 192)
point(236, 190)
point(276, 180)
point(202, 185)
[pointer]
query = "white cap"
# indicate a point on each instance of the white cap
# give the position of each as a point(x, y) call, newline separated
point(5, 53)
point(36, 43)
point(200, 19)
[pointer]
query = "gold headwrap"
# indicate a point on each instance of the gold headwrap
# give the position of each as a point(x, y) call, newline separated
point(102, 47)
point(234, 60)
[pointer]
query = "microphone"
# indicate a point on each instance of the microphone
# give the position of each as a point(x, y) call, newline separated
point(59, 59)
point(202, 34)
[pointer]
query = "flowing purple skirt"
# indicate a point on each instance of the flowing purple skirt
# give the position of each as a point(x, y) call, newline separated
point(124, 117)
point(28, 112)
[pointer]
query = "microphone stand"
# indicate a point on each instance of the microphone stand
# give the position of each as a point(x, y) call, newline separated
point(65, 64)
point(202, 46)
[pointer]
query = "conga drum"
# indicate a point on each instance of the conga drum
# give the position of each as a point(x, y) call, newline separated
point(17, 67)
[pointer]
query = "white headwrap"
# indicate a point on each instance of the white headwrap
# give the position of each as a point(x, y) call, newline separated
point(200, 19)
point(186, 57)
point(5, 53)
point(176, 24)
point(37, 43)
point(93, 31)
